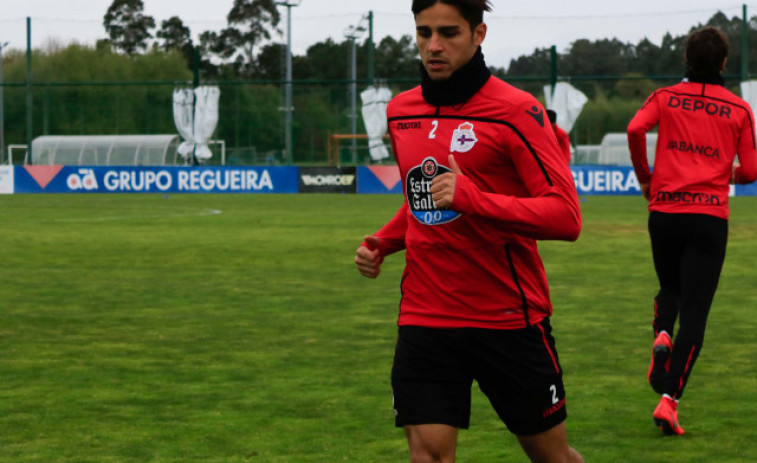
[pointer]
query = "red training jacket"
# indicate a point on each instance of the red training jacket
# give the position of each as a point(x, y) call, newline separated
point(701, 129)
point(476, 264)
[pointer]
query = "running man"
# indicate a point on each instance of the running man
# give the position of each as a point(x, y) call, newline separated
point(701, 128)
point(484, 179)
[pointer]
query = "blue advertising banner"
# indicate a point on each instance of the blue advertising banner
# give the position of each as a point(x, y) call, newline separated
point(605, 180)
point(378, 179)
point(127, 179)
point(589, 180)
point(746, 190)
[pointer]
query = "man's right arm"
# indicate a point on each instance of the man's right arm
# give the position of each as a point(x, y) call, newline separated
point(746, 171)
point(646, 118)
point(389, 239)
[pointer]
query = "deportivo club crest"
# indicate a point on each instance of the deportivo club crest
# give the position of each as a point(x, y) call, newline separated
point(463, 138)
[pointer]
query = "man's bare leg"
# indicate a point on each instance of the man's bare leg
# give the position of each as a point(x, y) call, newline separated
point(431, 443)
point(550, 447)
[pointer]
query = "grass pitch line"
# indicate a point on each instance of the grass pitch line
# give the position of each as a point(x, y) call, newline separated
point(158, 214)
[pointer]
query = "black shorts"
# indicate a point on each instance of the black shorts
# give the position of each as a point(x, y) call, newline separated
point(518, 370)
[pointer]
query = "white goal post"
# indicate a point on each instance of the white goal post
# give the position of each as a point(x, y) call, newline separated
point(11, 148)
point(223, 149)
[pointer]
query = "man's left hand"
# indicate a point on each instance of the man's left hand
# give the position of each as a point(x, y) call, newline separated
point(443, 186)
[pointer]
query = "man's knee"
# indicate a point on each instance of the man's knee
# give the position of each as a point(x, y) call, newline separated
point(431, 443)
point(550, 447)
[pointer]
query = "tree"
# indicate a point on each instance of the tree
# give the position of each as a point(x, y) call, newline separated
point(207, 50)
point(127, 27)
point(250, 22)
point(646, 57)
point(396, 58)
point(535, 64)
point(94, 109)
point(599, 58)
point(269, 64)
point(672, 51)
point(635, 87)
point(328, 60)
point(176, 36)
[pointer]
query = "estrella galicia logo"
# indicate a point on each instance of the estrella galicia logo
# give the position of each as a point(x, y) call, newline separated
point(537, 114)
point(418, 187)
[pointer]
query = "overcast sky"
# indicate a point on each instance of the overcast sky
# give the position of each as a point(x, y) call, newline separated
point(516, 27)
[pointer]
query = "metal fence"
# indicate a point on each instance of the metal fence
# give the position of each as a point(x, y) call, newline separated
point(252, 115)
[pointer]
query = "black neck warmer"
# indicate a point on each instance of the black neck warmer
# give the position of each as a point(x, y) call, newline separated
point(460, 86)
point(705, 78)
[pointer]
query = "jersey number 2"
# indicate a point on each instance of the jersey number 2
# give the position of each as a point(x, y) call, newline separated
point(432, 134)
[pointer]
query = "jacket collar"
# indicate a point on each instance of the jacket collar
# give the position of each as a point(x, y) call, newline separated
point(460, 86)
point(704, 79)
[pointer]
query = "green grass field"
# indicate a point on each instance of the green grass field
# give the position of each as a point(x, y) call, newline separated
point(235, 328)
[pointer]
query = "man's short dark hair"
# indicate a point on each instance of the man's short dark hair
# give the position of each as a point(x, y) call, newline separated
point(471, 10)
point(706, 48)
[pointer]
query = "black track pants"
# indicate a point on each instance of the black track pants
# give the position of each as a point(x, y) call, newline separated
point(688, 252)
